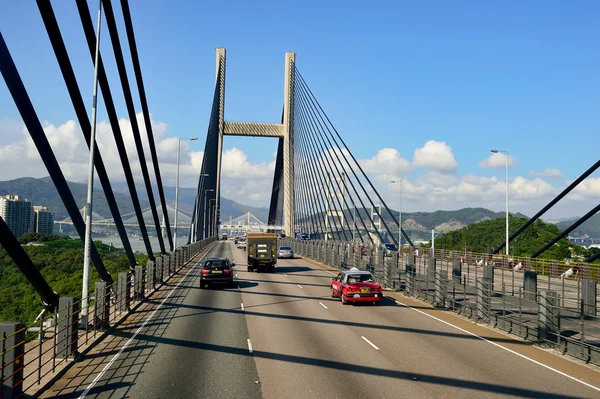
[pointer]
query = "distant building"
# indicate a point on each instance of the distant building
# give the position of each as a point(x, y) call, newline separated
point(17, 212)
point(43, 220)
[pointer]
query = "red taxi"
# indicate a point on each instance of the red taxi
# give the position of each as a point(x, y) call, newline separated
point(356, 286)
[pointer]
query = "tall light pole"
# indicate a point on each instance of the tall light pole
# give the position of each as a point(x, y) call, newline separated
point(212, 217)
point(90, 191)
point(204, 217)
point(399, 217)
point(177, 184)
point(506, 160)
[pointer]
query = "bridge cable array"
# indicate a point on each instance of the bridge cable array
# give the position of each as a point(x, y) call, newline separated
point(34, 127)
point(545, 209)
point(324, 162)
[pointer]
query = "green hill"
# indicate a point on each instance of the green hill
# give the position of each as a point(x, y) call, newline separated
point(486, 235)
point(60, 261)
point(591, 227)
point(419, 224)
point(42, 192)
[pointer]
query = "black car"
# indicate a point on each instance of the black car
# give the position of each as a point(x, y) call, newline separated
point(216, 271)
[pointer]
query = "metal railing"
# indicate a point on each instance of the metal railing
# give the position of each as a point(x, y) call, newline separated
point(32, 355)
point(530, 298)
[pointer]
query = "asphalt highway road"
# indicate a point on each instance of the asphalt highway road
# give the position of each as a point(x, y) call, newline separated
point(282, 336)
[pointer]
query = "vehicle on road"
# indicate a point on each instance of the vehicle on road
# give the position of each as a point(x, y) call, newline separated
point(302, 237)
point(216, 271)
point(388, 249)
point(241, 243)
point(360, 249)
point(356, 286)
point(224, 236)
point(285, 252)
point(262, 251)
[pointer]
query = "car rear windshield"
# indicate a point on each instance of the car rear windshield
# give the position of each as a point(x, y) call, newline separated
point(360, 278)
point(215, 264)
point(285, 248)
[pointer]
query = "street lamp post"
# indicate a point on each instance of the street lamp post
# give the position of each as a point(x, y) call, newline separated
point(506, 161)
point(177, 185)
point(212, 217)
point(399, 217)
point(87, 248)
point(204, 217)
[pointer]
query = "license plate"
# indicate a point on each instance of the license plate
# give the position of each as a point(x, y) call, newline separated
point(364, 290)
point(356, 295)
point(216, 272)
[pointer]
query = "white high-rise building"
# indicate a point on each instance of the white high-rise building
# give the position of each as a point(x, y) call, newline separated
point(17, 212)
point(43, 220)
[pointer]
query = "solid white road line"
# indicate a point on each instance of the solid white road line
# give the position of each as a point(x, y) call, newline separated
point(242, 305)
point(369, 342)
point(320, 303)
point(249, 346)
point(285, 274)
point(109, 364)
point(501, 347)
point(299, 285)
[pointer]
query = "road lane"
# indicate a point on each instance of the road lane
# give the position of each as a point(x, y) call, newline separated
point(190, 349)
point(436, 352)
point(282, 335)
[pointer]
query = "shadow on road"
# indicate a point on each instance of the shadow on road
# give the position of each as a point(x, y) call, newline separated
point(375, 371)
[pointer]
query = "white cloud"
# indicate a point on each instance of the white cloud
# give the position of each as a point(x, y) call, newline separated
point(241, 179)
point(498, 161)
point(589, 189)
point(435, 155)
point(548, 172)
point(388, 161)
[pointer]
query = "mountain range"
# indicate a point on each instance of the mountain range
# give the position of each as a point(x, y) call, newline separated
point(417, 224)
point(42, 192)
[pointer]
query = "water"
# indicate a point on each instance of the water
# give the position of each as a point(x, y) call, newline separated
point(137, 243)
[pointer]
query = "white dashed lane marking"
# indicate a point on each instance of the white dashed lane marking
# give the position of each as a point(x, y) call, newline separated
point(369, 342)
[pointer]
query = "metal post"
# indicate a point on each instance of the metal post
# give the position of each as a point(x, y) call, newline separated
point(548, 316)
point(90, 190)
point(507, 237)
point(67, 337)
point(11, 366)
point(101, 306)
point(204, 217)
point(176, 192)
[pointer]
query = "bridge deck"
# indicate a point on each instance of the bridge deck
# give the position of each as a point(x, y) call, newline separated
point(306, 344)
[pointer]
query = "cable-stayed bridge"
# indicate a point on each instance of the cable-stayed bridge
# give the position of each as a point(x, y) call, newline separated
point(154, 332)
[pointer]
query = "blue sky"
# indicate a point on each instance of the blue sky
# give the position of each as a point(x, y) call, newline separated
point(520, 76)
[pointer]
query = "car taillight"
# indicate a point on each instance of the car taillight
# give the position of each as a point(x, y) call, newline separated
point(227, 271)
point(204, 271)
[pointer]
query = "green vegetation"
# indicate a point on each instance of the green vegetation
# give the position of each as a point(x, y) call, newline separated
point(591, 227)
point(60, 260)
point(484, 236)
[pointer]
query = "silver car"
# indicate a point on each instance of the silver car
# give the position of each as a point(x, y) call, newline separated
point(285, 252)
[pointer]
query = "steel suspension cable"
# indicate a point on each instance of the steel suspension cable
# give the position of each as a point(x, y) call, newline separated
point(118, 52)
point(34, 127)
point(88, 29)
point(314, 193)
point(351, 183)
point(310, 128)
point(68, 74)
point(143, 101)
point(316, 103)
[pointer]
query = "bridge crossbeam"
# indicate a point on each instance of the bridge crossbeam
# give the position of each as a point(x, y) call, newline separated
point(253, 129)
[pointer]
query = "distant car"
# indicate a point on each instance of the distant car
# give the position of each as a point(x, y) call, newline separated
point(356, 286)
point(285, 252)
point(241, 243)
point(216, 271)
point(362, 249)
point(388, 249)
